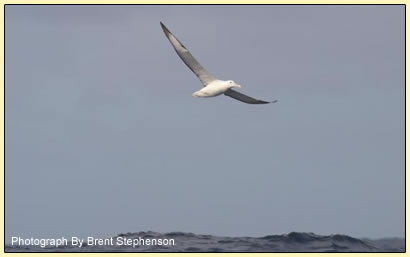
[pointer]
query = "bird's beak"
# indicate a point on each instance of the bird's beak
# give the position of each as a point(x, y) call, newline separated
point(238, 86)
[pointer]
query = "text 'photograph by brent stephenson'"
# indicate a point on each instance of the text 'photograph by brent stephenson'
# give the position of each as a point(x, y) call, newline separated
point(89, 241)
point(204, 128)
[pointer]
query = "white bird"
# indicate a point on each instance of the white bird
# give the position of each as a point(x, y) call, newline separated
point(212, 86)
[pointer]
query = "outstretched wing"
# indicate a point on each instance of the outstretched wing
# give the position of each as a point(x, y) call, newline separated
point(244, 98)
point(188, 59)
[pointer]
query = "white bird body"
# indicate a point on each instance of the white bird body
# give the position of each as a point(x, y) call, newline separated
point(215, 88)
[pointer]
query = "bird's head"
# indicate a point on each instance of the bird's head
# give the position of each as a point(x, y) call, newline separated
point(232, 84)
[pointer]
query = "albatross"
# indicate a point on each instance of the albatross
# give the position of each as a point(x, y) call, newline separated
point(211, 86)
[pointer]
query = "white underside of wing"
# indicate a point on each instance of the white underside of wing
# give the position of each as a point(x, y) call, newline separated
point(204, 76)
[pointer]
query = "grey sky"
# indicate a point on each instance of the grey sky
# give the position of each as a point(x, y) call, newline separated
point(103, 135)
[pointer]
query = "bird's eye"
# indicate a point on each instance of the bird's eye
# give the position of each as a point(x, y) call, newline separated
point(230, 82)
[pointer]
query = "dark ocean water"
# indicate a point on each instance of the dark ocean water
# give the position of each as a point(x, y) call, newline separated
point(189, 242)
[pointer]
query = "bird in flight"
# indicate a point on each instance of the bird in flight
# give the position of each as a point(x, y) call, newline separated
point(211, 86)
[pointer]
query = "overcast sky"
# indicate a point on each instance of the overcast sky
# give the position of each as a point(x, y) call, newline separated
point(103, 135)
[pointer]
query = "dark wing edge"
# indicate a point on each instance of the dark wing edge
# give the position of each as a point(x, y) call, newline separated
point(244, 98)
point(167, 33)
point(204, 76)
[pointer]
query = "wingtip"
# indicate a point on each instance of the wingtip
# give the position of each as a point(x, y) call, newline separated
point(165, 29)
point(273, 101)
